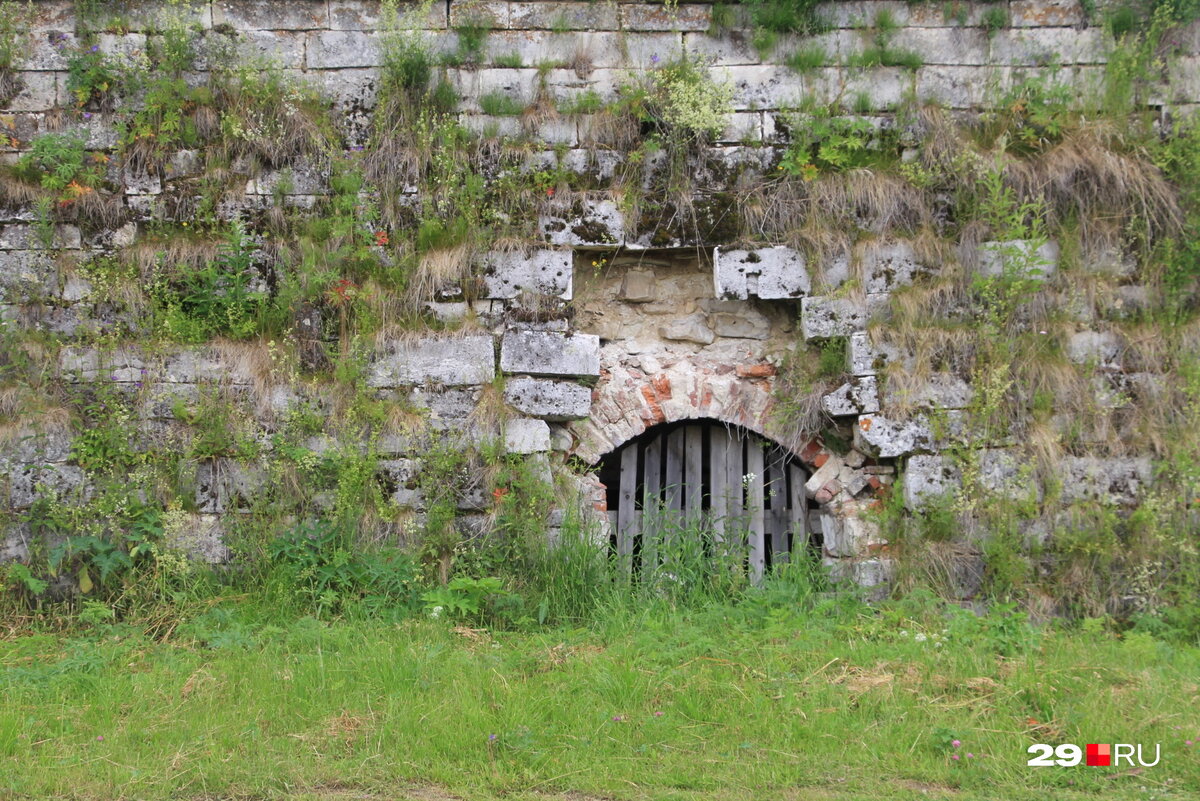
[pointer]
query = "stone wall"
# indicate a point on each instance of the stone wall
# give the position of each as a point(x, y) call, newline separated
point(669, 323)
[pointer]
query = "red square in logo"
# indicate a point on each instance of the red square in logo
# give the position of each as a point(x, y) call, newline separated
point(1099, 756)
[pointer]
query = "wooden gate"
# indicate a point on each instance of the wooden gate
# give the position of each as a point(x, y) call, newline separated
point(741, 493)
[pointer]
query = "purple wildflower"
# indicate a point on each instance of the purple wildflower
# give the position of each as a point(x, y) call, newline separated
point(654, 58)
point(954, 756)
point(491, 738)
point(956, 743)
point(618, 718)
point(970, 755)
point(658, 713)
point(94, 49)
point(99, 738)
point(87, 115)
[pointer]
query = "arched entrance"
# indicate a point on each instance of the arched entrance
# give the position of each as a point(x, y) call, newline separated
point(726, 489)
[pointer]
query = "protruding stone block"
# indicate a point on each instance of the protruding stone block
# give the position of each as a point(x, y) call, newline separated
point(598, 222)
point(885, 438)
point(526, 435)
point(638, 286)
point(867, 358)
point(937, 391)
point(550, 353)
point(823, 317)
point(542, 272)
point(859, 395)
point(454, 362)
point(556, 401)
point(768, 273)
point(890, 266)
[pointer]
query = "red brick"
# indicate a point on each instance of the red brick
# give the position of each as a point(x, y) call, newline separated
point(820, 459)
point(755, 370)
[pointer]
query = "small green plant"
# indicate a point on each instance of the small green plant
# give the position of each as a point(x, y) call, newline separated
point(881, 53)
point(499, 104)
point(478, 601)
point(15, 20)
point(822, 142)
point(808, 58)
point(92, 78)
point(994, 19)
point(508, 61)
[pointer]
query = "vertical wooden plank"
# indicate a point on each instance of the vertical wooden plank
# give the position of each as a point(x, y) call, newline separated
point(693, 471)
point(754, 505)
point(673, 483)
point(735, 468)
point(627, 513)
point(797, 510)
point(717, 481)
point(652, 506)
point(777, 499)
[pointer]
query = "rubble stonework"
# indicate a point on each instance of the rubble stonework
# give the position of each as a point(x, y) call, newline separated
point(681, 325)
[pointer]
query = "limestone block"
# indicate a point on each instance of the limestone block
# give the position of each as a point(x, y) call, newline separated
point(557, 401)
point(30, 482)
point(20, 236)
point(447, 408)
point(760, 87)
point(655, 17)
point(31, 442)
point(846, 535)
point(867, 357)
point(734, 319)
point(823, 475)
point(573, 16)
point(1119, 481)
point(822, 317)
point(450, 361)
point(1102, 348)
point(363, 15)
point(14, 543)
point(341, 49)
point(39, 92)
point(526, 435)
point(743, 126)
point(226, 485)
point(889, 266)
point(542, 272)
point(768, 273)
point(860, 395)
point(885, 438)
point(1038, 13)
point(591, 222)
point(638, 286)
point(201, 537)
point(957, 87)
point(929, 476)
point(90, 364)
point(1023, 256)
point(945, 45)
point(355, 89)
point(401, 476)
point(249, 15)
point(937, 391)
point(285, 49)
point(692, 328)
point(550, 353)
point(27, 276)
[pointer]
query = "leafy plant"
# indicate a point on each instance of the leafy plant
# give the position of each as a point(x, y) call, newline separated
point(92, 78)
point(499, 104)
point(474, 600)
point(825, 143)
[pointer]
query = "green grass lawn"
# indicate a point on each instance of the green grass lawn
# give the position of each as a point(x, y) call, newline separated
point(839, 702)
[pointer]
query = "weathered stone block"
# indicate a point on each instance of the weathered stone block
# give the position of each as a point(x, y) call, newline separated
point(886, 438)
point(20, 236)
point(889, 266)
point(201, 537)
point(867, 358)
point(450, 361)
point(549, 400)
point(27, 276)
point(1119, 481)
point(638, 286)
point(1102, 348)
point(250, 15)
point(592, 222)
point(692, 328)
point(542, 272)
point(731, 318)
point(822, 317)
point(847, 536)
point(860, 395)
point(341, 49)
point(550, 353)
point(768, 273)
point(226, 484)
point(1025, 257)
point(525, 435)
point(566, 16)
point(654, 17)
point(62, 481)
point(937, 391)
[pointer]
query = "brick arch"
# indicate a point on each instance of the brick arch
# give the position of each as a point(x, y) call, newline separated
point(628, 401)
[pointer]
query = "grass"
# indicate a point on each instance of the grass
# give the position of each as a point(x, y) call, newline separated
point(759, 701)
